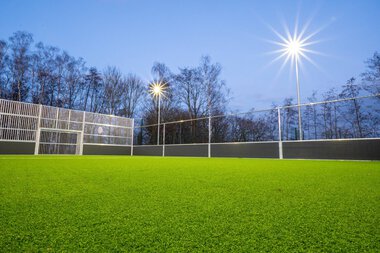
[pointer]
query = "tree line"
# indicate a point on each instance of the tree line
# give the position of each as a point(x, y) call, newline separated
point(199, 91)
point(44, 74)
point(47, 75)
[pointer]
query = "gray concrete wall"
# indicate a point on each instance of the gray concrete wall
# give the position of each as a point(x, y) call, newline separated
point(27, 148)
point(365, 149)
point(105, 150)
point(16, 148)
point(248, 150)
point(148, 150)
point(198, 150)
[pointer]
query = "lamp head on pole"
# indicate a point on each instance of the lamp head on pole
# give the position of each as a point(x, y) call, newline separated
point(157, 89)
point(294, 48)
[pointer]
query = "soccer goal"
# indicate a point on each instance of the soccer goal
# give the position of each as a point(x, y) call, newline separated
point(58, 141)
point(55, 130)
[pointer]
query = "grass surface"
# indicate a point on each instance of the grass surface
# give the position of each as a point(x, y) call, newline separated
point(158, 204)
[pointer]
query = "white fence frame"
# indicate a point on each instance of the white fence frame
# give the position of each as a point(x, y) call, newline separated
point(23, 122)
point(280, 139)
point(78, 144)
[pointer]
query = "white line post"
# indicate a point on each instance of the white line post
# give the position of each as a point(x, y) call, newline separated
point(18, 120)
point(58, 134)
point(158, 119)
point(209, 119)
point(163, 140)
point(133, 131)
point(68, 123)
point(56, 118)
point(300, 137)
point(2, 105)
point(82, 134)
point(279, 134)
point(38, 132)
point(209, 137)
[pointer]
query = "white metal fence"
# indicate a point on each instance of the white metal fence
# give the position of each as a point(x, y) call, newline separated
point(346, 118)
point(63, 131)
point(59, 130)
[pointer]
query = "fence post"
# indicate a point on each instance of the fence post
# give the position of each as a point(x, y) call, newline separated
point(68, 123)
point(56, 118)
point(38, 132)
point(209, 137)
point(82, 135)
point(279, 133)
point(18, 120)
point(163, 140)
point(132, 135)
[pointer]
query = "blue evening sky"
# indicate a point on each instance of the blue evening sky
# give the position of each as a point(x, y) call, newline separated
point(132, 34)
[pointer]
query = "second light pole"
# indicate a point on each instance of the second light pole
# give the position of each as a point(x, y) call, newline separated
point(298, 101)
point(157, 89)
point(294, 48)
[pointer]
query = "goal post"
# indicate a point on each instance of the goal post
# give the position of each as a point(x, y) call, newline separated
point(59, 141)
point(55, 130)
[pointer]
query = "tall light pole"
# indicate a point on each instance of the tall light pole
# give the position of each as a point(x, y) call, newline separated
point(159, 118)
point(294, 50)
point(157, 89)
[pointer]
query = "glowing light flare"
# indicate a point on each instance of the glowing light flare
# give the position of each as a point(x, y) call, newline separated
point(157, 89)
point(293, 46)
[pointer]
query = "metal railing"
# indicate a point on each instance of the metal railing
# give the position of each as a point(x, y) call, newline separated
point(24, 122)
point(345, 118)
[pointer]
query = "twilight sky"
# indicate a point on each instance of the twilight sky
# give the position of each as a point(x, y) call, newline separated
point(132, 34)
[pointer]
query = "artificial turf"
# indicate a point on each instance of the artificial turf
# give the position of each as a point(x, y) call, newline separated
point(156, 204)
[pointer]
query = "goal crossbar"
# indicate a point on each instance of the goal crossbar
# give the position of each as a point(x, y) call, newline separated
point(58, 142)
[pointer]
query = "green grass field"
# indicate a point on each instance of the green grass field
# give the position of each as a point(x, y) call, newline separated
point(154, 204)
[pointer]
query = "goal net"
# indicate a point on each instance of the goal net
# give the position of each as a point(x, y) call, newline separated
point(58, 141)
point(55, 130)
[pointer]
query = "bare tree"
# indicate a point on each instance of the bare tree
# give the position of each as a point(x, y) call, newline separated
point(169, 104)
point(313, 115)
point(200, 89)
point(74, 82)
point(62, 61)
point(4, 79)
point(354, 114)
point(371, 83)
point(133, 91)
point(113, 90)
point(161, 73)
point(216, 92)
point(19, 46)
point(371, 77)
point(202, 93)
point(43, 76)
point(330, 114)
point(93, 88)
point(289, 119)
point(191, 92)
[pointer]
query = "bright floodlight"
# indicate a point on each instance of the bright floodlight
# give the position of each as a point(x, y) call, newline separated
point(157, 89)
point(294, 48)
